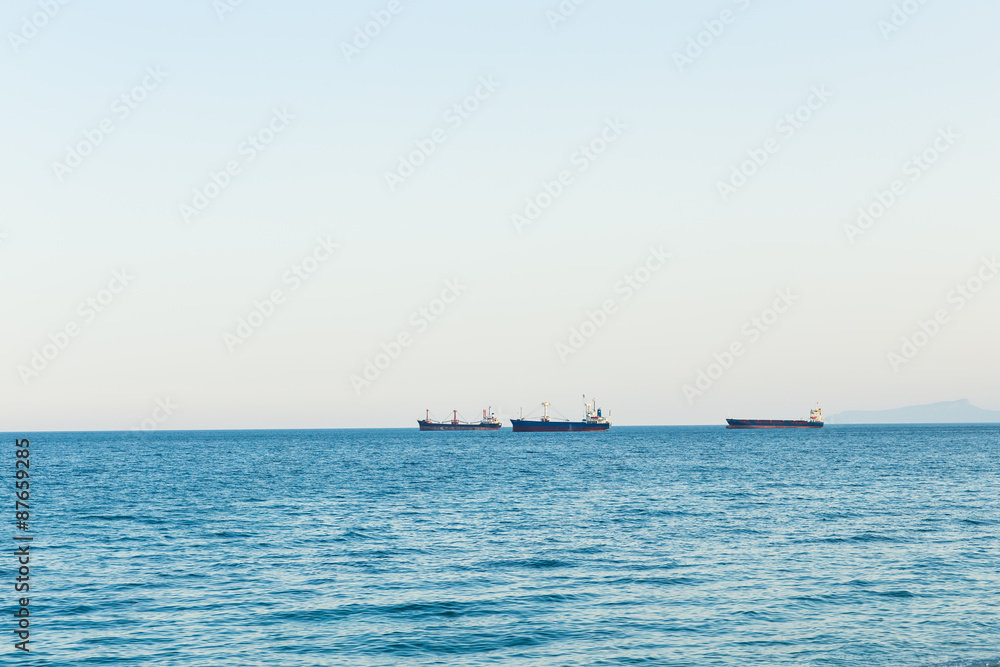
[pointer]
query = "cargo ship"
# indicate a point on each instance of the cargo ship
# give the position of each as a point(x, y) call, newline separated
point(489, 422)
point(815, 421)
point(593, 420)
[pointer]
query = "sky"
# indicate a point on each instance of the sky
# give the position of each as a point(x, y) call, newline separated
point(224, 214)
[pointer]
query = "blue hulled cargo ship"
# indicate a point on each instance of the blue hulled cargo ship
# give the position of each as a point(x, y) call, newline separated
point(593, 421)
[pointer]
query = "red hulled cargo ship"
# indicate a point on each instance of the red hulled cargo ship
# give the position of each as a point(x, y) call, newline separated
point(489, 422)
point(815, 421)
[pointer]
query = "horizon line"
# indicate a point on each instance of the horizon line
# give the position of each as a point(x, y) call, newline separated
point(409, 428)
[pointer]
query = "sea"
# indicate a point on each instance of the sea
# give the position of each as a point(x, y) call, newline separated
point(686, 546)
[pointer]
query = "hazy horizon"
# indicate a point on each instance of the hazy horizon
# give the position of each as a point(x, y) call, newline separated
point(495, 206)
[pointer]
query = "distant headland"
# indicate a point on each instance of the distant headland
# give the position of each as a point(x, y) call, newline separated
point(946, 412)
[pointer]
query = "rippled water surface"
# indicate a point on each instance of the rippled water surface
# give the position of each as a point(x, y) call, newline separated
point(851, 545)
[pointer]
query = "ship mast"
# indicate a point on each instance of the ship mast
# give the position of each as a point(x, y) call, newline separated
point(545, 411)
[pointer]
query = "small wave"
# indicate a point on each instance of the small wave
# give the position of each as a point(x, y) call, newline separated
point(860, 582)
point(558, 597)
point(407, 610)
point(875, 537)
point(588, 550)
point(232, 533)
point(861, 537)
point(530, 563)
point(978, 522)
point(657, 581)
point(894, 594)
point(357, 534)
point(989, 662)
point(816, 599)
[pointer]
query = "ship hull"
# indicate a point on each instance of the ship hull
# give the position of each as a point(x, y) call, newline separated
point(772, 423)
point(534, 426)
point(447, 426)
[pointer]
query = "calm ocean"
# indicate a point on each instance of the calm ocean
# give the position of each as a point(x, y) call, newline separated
point(851, 545)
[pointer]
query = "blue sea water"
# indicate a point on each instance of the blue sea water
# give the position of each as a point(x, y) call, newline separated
point(851, 545)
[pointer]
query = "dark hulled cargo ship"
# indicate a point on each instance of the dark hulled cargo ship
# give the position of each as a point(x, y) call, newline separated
point(489, 422)
point(593, 421)
point(815, 421)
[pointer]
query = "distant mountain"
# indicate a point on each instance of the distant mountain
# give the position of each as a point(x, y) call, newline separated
point(947, 412)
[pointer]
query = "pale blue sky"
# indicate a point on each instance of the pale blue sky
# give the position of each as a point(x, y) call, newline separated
point(656, 185)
